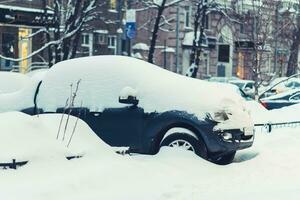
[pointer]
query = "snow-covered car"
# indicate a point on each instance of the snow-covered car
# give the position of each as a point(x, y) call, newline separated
point(223, 79)
point(135, 104)
point(247, 86)
point(284, 84)
point(283, 99)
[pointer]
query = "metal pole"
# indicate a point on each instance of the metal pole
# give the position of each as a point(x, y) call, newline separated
point(177, 39)
point(165, 54)
point(276, 38)
point(128, 39)
point(120, 30)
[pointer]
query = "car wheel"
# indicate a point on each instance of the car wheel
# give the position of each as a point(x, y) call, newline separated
point(225, 159)
point(187, 142)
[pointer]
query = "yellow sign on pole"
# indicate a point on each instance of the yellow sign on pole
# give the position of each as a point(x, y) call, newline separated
point(24, 48)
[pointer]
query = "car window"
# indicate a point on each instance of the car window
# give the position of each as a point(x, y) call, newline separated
point(249, 85)
point(295, 97)
point(297, 84)
point(240, 85)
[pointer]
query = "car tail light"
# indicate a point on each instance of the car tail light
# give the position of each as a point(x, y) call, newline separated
point(264, 104)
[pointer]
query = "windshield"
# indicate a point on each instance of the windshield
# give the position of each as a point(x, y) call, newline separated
point(240, 85)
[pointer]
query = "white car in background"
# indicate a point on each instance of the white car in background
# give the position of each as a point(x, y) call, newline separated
point(292, 83)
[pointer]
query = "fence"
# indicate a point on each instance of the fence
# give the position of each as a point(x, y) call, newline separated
point(270, 126)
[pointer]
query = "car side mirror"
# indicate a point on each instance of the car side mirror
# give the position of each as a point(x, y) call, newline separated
point(247, 89)
point(128, 95)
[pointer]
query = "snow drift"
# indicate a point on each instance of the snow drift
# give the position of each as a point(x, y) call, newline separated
point(31, 138)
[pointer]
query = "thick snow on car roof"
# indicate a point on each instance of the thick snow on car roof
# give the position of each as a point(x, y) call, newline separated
point(104, 77)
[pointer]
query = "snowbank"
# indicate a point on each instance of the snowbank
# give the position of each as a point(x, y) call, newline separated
point(19, 100)
point(38, 74)
point(32, 138)
point(261, 115)
point(12, 82)
point(269, 171)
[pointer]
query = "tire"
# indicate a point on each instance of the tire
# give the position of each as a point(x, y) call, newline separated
point(225, 159)
point(186, 141)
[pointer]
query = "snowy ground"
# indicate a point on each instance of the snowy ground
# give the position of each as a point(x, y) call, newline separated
point(269, 170)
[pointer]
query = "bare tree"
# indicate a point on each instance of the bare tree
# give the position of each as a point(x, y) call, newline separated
point(261, 17)
point(295, 39)
point(158, 22)
point(203, 8)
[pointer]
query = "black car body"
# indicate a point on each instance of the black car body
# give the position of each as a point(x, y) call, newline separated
point(143, 122)
point(281, 100)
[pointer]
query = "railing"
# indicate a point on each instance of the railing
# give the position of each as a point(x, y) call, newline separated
point(270, 126)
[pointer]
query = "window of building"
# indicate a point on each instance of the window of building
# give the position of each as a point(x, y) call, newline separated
point(112, 43)
point(85, 39)
point(224, 53)
point(206, 25)
point(241, 67)
point(100, 38)
point(242, 28)
point(187, 15)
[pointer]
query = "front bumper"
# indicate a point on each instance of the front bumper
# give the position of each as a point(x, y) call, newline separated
point(227, 141)
point(237, 139)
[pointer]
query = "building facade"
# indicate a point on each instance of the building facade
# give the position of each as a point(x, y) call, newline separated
point(234, 42)
point(18, 20)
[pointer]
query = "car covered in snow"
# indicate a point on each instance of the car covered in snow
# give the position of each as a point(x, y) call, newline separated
point(131, 103)
point(283, 99)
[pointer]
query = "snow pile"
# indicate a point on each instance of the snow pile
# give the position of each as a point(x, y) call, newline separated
point(104, 77)
point(12, 82)
point(269, 170)
point(19, 100)
point(30, 138)
point(262, 115)
point(38, 74)
point(140, 46)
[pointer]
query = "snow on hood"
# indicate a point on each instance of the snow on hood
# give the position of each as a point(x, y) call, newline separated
point(104, 77)
point(25, 137)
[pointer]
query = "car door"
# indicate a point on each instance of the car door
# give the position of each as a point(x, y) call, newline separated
point(120, 127)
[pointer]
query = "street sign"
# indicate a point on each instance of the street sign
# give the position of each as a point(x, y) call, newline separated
point(130, 23)
point(131, 15)
point(130, 29)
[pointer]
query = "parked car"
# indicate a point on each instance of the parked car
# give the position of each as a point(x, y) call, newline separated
point(131, 103)
point(292, 83)
point(283, 99)
point(223, 79)
point(247, 86)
